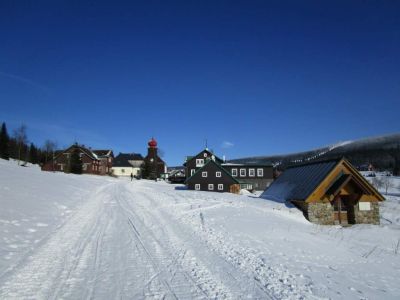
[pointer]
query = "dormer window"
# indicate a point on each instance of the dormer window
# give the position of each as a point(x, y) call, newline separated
point(199, 162)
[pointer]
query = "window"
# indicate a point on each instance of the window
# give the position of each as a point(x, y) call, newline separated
point(192, 172)
point(220, 187)
point(252, 172)
point(205, 154)
point(242, 172)
point(260, 172)
point(246, 186)
point(203, 174)
point(211, 187)
point(217, 174)
point(199, 162)
point(197, 187)
point(234, 172)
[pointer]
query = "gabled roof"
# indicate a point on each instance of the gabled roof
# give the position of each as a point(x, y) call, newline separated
point(122, 159)
point(189, 158)
point(84, 150)
point(300, 181)
point(103, 152)
point(219, 167)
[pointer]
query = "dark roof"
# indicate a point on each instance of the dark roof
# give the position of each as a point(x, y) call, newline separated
point(81, 148)
point(189, 158)
point(170, 169)
point(299, 181)
point(251, 164)
point(102, 152)
point(122, 159)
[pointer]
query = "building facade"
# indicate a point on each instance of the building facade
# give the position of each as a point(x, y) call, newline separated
point(106, 158)
point(251, 176)
point(239, 176)
point(126, 164)
point(213, 177)
point(91, 163)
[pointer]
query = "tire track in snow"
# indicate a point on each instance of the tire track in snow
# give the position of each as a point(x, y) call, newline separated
point(271, 282)
point(155, 261)
point(175, 267)
point(231, 277)
point(48, 270)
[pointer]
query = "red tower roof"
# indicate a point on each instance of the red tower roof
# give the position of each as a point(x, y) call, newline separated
point(152, 143)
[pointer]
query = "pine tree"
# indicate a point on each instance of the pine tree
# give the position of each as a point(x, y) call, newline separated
point(33, 154)
point(75, 162)
point(145, 170)
point(4, 142)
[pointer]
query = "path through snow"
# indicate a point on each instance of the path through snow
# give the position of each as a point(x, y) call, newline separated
point(147, 240)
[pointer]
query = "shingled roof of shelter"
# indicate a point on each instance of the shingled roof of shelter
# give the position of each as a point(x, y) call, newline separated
point(299, 181)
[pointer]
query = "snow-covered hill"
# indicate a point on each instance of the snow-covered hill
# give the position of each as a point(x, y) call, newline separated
point(80, 237)
point(363, 150)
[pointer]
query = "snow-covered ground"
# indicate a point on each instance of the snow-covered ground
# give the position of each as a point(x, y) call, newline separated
point(90, 237)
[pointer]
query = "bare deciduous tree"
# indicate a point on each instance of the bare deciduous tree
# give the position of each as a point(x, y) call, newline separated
point(49, 148)
point(377, 183)
point(387, 183)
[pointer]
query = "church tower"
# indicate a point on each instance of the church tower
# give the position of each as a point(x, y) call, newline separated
point(152, 158)
point(155, 165)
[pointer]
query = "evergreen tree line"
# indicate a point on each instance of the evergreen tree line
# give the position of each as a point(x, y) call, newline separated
point(17, 146)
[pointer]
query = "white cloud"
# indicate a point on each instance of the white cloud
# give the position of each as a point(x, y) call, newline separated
point(226, 144)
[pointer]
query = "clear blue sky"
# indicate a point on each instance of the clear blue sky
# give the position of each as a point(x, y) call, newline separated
point(252, 77)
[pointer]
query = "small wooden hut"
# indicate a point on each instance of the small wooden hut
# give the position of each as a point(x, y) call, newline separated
point(328, 192)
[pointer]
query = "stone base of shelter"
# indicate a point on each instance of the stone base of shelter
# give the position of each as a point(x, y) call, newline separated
point(323, 214)
point(320, 213)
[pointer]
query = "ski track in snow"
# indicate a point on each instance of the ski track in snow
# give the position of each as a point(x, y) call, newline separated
point(147, 240)
point(116, 247)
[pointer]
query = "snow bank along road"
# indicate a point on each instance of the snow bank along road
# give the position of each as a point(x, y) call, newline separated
point(138, 240)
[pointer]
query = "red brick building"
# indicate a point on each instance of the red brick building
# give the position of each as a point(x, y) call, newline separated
point(97, 162)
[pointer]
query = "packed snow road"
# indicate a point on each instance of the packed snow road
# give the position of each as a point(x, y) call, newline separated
point(120, 245)
point(65, 236)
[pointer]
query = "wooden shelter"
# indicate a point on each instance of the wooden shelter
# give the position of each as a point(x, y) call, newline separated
point(328, 192)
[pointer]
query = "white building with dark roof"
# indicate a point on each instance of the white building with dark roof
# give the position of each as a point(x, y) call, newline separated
point(126, 164)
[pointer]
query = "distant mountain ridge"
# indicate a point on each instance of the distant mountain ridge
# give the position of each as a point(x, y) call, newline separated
point(383, 152)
